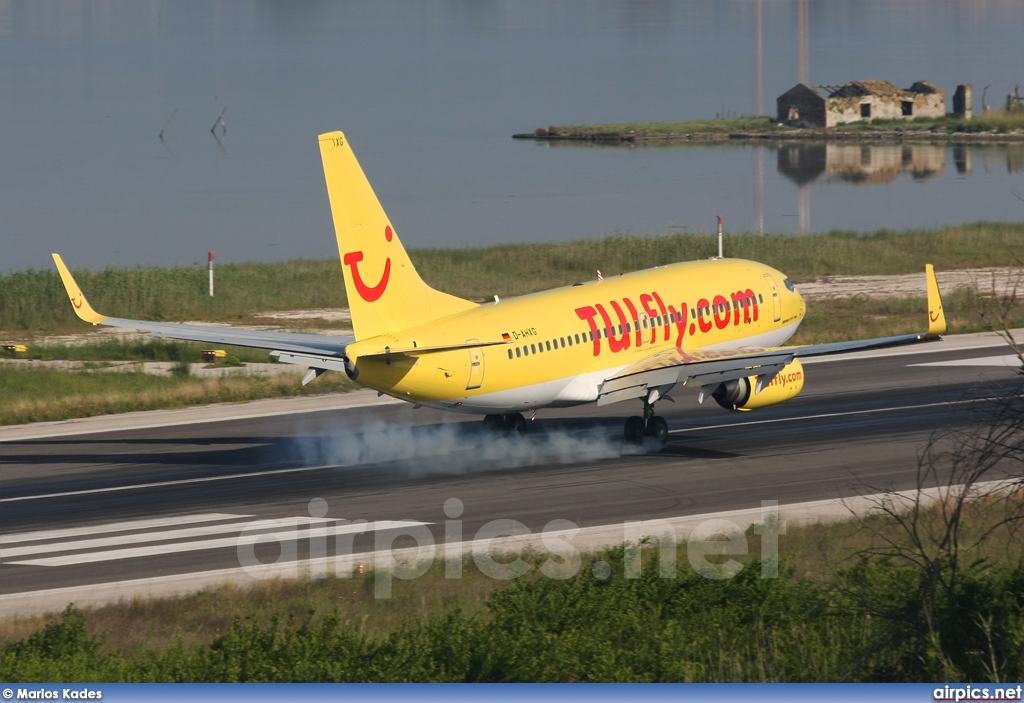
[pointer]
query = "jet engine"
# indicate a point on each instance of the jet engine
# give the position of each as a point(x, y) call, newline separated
point(739, 394)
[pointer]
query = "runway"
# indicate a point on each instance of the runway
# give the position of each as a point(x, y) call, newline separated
point(155, 501)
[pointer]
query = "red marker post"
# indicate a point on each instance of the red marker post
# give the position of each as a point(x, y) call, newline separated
point(211, 273)
point(719, 241)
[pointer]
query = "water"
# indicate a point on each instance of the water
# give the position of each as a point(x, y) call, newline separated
point(429, 94)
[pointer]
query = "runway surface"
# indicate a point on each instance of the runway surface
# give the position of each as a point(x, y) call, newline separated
point(130, 504)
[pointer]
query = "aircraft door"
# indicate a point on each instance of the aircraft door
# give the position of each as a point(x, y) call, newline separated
point(476, 366)
point(776, 299)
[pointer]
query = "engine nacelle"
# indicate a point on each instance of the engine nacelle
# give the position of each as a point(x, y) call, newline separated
point(739, 393)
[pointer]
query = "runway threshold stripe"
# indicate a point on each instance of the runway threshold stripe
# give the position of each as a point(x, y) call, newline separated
point(163, 484)
point(822, 416)
point(16, 537)
point(162, 536)
point(288, 535)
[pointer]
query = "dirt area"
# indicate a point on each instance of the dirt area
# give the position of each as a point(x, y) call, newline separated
point(338, 315)
point(157, 368)
point(1000, 281)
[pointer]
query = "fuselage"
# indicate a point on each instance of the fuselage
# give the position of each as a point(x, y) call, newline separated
point(562, 343)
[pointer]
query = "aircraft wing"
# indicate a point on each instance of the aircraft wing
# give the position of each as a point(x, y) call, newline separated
point(663, 369)
point(315, 345)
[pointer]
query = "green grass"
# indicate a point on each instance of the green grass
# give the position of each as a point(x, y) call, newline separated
point(43, 394)
point(34, 302)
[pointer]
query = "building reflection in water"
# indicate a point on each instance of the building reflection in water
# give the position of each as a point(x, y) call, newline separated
point(869, 164)
point(863, 164)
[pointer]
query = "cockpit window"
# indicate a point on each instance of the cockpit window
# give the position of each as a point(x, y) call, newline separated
point(789, 285)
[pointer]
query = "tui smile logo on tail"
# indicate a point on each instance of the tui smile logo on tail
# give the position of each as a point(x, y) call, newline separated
point(369, 293)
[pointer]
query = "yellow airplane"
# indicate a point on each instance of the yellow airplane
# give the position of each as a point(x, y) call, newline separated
point(719, 323)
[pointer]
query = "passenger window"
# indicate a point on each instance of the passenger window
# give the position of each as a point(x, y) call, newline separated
point(509, 353)
point(517, 353)
point(570, 340)
point(533, 348)
point(548, 345)
point(760, 298)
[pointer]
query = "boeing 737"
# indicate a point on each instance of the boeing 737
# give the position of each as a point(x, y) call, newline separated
point(718, 324)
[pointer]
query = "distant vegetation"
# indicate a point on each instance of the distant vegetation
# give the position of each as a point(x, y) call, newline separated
point(679, 128)
point(35, 301)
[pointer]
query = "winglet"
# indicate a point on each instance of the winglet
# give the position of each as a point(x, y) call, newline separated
point(78, 301)
point(936, 317)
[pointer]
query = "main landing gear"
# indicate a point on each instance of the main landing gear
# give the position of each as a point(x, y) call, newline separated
point(510, 422)
point(650, 425)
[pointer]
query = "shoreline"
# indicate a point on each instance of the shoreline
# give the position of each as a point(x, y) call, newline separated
point(635, 137)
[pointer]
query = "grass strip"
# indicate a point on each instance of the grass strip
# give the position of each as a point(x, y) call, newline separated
point(43, 394)
point(34, 302)
point(30, 394)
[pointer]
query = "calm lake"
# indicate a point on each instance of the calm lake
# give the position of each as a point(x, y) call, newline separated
point(429, 94)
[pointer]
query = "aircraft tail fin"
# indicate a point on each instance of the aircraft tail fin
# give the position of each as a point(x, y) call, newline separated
point(385, 293)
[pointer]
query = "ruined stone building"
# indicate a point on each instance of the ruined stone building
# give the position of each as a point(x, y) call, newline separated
point(831, 105)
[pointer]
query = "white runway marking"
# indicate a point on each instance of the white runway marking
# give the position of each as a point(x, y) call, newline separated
point(1010, 360)
point(162, 484)
point(280, 529)
point(143, 537)
point(828, 415)
point(40, 535)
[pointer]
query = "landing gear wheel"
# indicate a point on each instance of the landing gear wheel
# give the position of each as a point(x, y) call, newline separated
point(634, 429)
point(494, 422)
point(658, 429)
point(515, 422)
